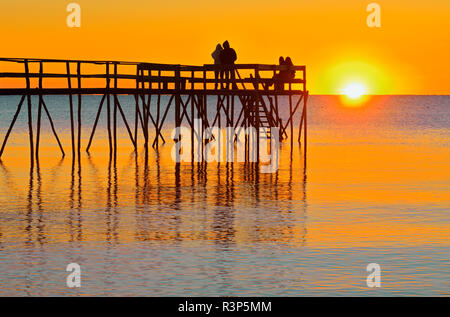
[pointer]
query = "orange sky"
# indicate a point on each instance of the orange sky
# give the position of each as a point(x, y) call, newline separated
point(407, 55)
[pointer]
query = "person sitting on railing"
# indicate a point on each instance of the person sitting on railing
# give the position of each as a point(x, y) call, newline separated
point(216, 56)
point(227, 58)
point(284, 75)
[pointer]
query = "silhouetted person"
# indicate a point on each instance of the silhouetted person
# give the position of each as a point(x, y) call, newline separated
point(216, 56)
point(279, 76)
point(290, 74)
point(284, 75)
point(227, 58)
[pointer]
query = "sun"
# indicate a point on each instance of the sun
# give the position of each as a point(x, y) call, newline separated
point(354, 90)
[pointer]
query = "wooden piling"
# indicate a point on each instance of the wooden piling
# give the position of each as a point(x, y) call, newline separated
point(115, 113)
point(291, 123)
point(97, 117)
point(11, 126)
point(38, 132)
point(108, 110)
point(136, 109)
point(130, 134)
point(69, 86)
point(79, 108)
point(30, 115)
point(53, 128)
point(305, 136)
point(177, 98)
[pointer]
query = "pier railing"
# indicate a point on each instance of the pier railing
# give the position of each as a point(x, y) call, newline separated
point(17, 74)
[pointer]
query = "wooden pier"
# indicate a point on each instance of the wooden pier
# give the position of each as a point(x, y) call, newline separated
point(254, 94)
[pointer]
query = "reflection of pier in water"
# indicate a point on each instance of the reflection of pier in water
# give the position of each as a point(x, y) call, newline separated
point(146, 200)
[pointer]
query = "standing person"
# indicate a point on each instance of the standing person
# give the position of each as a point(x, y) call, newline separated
point(216, 56)
point(280, 75)
point(227, 58)
point(290, 74)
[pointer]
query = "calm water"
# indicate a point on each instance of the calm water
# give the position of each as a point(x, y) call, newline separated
point(376, 189)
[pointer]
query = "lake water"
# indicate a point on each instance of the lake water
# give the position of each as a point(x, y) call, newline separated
point(376, 189)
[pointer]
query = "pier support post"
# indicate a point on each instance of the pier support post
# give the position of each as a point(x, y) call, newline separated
point(100, 107)
point(136, 109)
point(177, 98)
point(291, 123)
point(30, 116)
point(108, 109)
point(38, 128)
point(305, 124)
point(53, 128)
point(79, 108)
point(19, 107)
point(72, 129)
point(38, 132)
point(115, 113)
